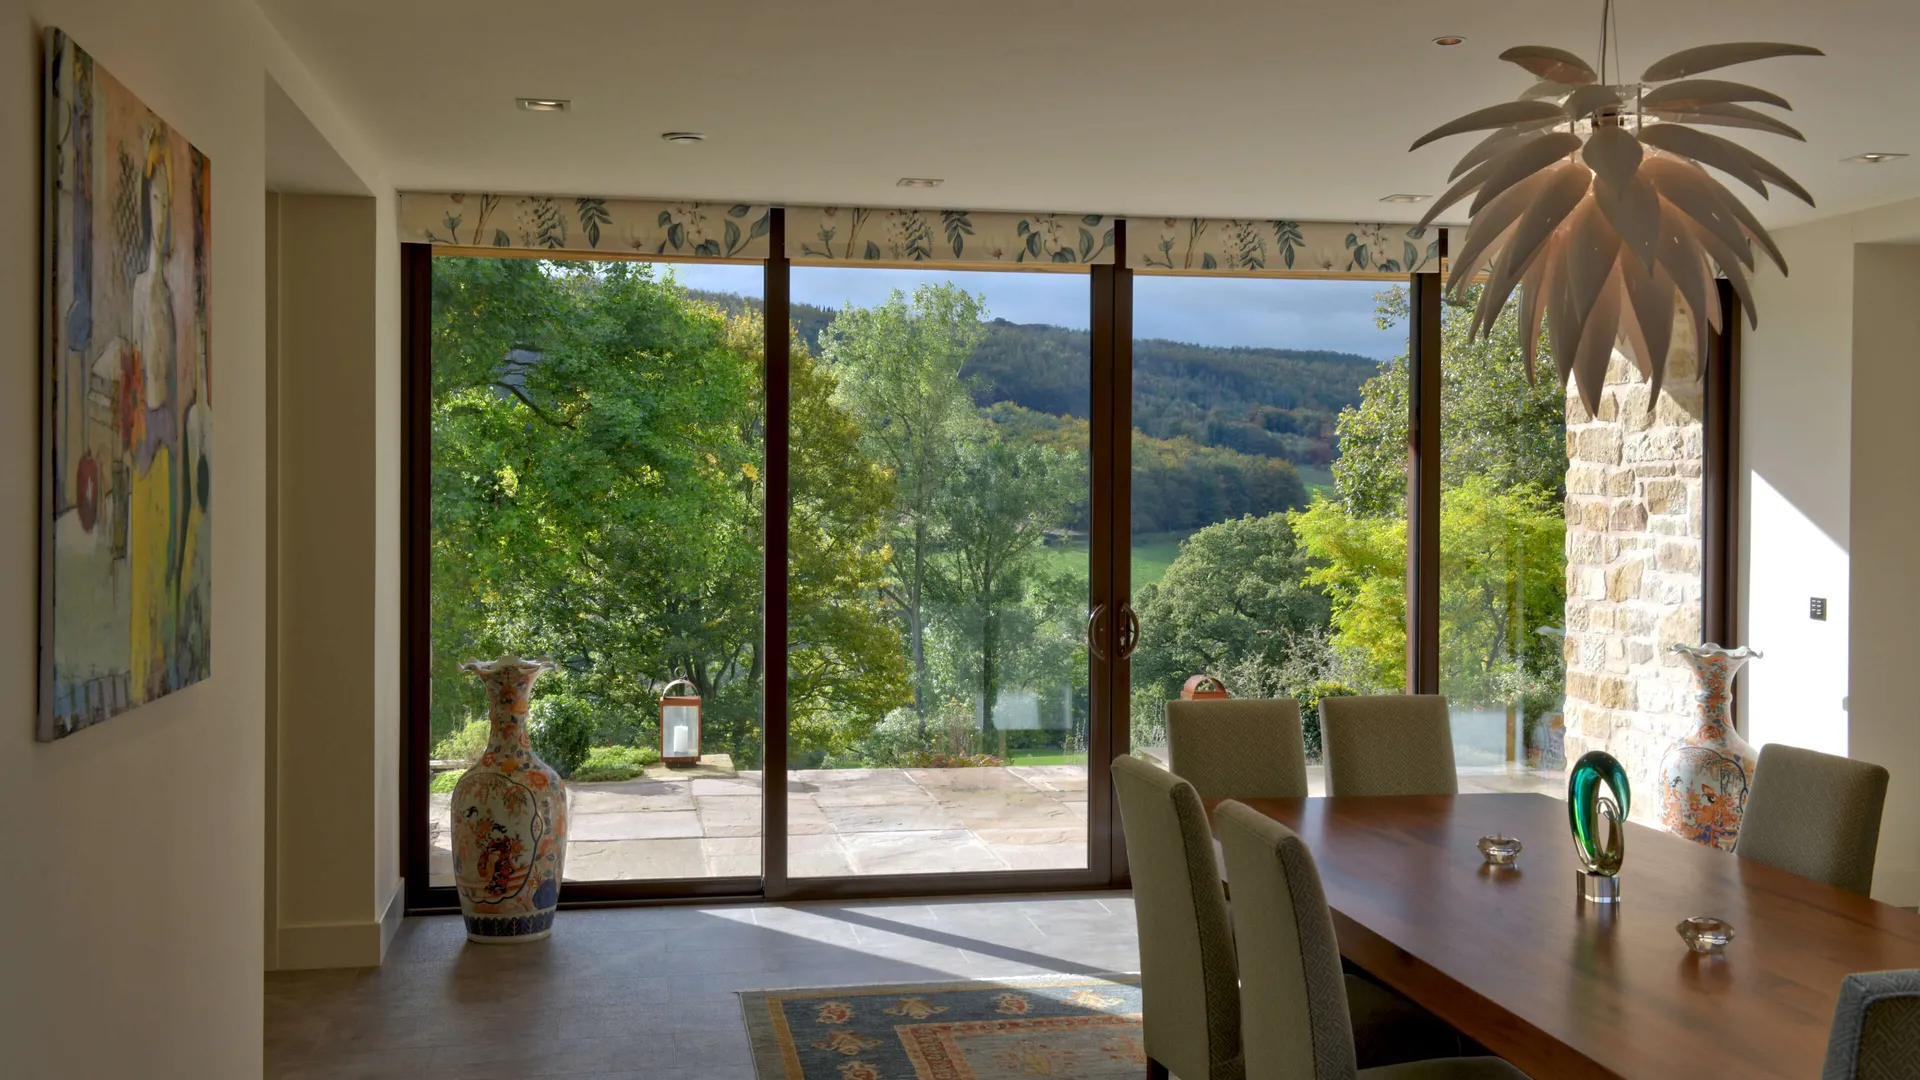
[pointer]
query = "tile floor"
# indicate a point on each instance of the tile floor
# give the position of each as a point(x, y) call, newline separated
point(650, 992)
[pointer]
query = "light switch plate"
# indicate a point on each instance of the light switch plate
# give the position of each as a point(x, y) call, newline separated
point(1817, 608)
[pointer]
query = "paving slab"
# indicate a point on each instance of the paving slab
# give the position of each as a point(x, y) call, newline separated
point(916, 852)
point(635, 860)
point(635, 825)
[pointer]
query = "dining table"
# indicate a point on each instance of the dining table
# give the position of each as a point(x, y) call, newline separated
point(1560, 986)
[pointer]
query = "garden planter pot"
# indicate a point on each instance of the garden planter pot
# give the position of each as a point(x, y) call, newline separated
point(509, 818)
point(1704, 777)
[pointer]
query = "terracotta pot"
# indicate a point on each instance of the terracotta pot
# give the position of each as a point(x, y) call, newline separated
point(509, 818)
point(1704, 777)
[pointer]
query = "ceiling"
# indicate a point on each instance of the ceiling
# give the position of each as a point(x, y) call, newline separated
point(1222, 108)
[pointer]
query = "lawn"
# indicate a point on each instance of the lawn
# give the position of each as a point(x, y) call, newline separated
point(1316, 478)
point(1045, 755)
point(1152, 554)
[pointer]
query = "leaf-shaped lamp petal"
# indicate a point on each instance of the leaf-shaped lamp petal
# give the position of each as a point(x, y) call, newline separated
point(1586, 806)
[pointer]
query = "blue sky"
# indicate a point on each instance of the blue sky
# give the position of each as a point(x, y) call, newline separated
point(1273, 312)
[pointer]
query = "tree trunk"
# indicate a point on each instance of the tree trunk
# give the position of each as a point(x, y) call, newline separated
point(916, 625)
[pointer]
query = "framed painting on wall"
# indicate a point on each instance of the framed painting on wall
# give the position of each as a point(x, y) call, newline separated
point(126, 402)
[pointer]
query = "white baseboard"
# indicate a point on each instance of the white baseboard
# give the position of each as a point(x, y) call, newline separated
point(343, 944)
point(390, 919)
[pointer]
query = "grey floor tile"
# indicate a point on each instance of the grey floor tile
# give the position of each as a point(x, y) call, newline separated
point(652, 992)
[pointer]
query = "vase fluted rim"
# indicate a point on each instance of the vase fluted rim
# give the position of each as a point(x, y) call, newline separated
point(508, 662)
point(1709, 648)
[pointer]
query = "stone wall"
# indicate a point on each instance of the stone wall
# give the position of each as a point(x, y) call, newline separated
point(1634, 545)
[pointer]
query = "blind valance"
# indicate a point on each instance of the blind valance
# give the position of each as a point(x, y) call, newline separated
point(821, 234)
point(1243, 245)
point(853, 234)
point(603, 226)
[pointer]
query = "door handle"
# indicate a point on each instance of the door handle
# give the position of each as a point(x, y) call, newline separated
point(1129, 630)
point(1095, 621)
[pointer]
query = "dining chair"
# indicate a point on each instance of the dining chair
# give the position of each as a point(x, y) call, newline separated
point(1390, 744)
point(1238, 748)
point(1876, 1028)
point(1815, 815)
point(1189, 977)
point(1294, 1006)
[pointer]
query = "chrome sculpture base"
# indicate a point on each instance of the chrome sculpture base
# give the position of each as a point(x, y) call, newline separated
point(1598, 888)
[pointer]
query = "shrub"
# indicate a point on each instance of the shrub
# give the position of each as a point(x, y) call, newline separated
point(466, 744)
point(443, 782)
point(1310, 712)
point(561, 728)
point(608, 763)
point(936, 759)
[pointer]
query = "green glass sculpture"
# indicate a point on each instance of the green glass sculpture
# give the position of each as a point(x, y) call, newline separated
point(1586, 806)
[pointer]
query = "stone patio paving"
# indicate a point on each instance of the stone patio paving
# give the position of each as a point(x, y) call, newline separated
point(845, 822)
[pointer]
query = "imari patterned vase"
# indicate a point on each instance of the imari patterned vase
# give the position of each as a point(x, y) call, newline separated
point(1704, 777)
point(509, 818)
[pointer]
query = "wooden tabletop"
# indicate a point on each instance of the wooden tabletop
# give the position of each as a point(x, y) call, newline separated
point(1563, 988)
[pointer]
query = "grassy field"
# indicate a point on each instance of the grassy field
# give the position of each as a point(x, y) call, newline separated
point(1152, 554)
point(1045, 756)
point(1316, 478)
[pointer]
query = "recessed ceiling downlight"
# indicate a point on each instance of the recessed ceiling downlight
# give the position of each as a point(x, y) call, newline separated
point(683, 138)
point(1405, 198)
point(1873, 157)
point(1447, 41)
point(918, 181)
point(545, 104)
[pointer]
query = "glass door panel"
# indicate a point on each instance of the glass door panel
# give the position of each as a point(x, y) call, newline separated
point(938, 582)
point(597, 460)
point(1503, 558)
point(1268, 486)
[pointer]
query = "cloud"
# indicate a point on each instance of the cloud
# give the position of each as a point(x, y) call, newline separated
point(1273, 312)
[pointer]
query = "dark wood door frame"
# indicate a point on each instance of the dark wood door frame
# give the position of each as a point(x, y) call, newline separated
point(1110, 586)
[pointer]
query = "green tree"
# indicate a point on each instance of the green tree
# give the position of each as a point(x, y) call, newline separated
point(994, 508)
point(1501, 571)
point(598, 497)
point(897, 373)
point(1493, 421)
point(845, 667)
point(1236, 592)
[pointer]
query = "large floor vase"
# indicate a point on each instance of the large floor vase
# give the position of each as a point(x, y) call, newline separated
point(509, 818)
point(1705, 776)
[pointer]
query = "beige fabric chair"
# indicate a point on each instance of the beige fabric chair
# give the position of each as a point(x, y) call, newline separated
point(1189, 983)
point(1876, 1028)
point(1396, 744)
point(1189, 978)
point(1294, 1007)
point(1815, 815)
point(1231, 748)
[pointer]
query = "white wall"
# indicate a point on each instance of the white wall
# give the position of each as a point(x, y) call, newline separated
point(1830, 449)
point(1796, 373)
point(1884, 710)
point(337, 692)
point(131, 930)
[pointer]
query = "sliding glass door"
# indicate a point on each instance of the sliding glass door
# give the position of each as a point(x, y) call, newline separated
point(1268, 536)
point(595, 475)
point(861, 603)
point(939, 563)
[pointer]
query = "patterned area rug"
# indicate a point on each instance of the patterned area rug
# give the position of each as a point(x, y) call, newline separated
point(1070, 1027)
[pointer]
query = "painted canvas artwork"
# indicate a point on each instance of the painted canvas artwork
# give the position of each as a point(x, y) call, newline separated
point(127, 404)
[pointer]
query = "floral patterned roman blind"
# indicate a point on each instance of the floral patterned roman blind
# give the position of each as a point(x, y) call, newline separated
point(1243, 245)
point(827, 234)
point(818, 234)
point(603, 226)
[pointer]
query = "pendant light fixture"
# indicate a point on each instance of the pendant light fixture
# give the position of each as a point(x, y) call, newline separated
point(1589, 196)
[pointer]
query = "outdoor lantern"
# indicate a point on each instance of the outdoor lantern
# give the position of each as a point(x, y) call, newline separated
point(1203, 688)
point(679, 725)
